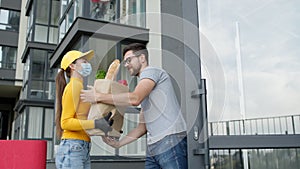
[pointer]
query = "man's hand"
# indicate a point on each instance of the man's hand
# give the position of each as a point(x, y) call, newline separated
point(88, 95)
point(111, 141)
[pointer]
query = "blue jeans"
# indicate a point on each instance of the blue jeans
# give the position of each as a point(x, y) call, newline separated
point(73, 154)
point(168, 153)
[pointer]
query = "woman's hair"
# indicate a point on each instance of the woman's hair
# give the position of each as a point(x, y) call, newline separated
point(60, 86)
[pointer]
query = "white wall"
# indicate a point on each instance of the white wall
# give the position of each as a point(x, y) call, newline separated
point(21, 43)
point(153, 22)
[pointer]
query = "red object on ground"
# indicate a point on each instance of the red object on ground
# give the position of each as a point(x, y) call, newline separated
point(23, 154)
point(123, 82)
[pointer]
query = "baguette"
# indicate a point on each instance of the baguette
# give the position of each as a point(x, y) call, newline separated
point(113, 70)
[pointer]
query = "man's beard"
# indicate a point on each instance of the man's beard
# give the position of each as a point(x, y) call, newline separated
point(136, 72)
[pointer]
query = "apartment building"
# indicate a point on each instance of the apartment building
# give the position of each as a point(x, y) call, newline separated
point(35, 34)
point(10, 82)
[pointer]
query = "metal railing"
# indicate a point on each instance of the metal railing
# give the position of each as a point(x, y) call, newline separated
point(257, 126)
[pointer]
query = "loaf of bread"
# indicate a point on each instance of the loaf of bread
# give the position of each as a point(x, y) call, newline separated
point(113, 70)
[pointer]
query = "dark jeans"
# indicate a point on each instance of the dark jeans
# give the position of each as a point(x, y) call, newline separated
point(168, 153)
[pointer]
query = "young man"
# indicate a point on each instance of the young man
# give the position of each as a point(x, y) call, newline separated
point(160, 116)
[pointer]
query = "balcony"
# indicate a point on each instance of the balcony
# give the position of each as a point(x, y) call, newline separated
point(273, 132)
point(258, 126)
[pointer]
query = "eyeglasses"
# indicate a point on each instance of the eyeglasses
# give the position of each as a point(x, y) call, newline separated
point(128, 60)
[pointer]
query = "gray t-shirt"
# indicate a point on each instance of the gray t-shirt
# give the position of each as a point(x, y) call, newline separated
point(161, 109)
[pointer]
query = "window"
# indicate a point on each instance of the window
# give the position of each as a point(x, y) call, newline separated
point(104, 10)
point(43, 27)
point(30, 26)
point(19, 126)
point(38, 64)
point(40, 126)
point(70, 17)
point(8, 57)
point(53, 35)
point(38, 77)
point(55, 12)
point(69, 12)
point(49, 90)
point(62, 30)
point(40, 32)
point(132, 12)
point(9, 20)
point(42, 12)
point(48, 126)
point(36, 89)
point(51, 73)
point(35, 122)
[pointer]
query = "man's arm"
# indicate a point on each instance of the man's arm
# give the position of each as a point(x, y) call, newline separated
point(133, 135)
point(142, 90)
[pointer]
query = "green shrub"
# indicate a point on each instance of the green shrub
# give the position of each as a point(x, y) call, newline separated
point(100, 74)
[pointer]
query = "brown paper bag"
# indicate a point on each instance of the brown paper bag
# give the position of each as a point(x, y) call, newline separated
point(100, 110)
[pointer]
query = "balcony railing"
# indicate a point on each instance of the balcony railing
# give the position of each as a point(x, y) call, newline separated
point(258, 126)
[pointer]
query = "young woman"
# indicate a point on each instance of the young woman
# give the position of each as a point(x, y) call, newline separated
point(71, 113)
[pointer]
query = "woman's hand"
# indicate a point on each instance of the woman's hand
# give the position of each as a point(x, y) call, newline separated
point(111, 141)
point(88, 95)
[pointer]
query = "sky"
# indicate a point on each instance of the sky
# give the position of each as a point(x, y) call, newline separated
point(268, 62)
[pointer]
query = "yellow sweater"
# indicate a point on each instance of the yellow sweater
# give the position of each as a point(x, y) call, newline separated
point(74, 112)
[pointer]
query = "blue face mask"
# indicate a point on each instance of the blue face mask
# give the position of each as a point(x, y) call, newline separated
point(86, 69)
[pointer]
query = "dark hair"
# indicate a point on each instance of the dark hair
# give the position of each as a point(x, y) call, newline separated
point(138, 49)
point(61, 83)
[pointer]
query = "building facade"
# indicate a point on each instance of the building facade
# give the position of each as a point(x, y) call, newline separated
point(10, 82)
point(37, 33)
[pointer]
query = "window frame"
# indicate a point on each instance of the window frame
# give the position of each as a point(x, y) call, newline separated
point(7, 24)
point(33, 24)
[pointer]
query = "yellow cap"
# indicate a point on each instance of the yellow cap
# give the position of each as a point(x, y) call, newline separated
point(72, 55)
